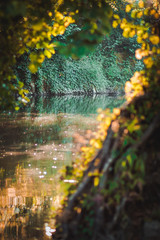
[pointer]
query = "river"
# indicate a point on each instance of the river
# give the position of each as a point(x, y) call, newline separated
point(35, 144)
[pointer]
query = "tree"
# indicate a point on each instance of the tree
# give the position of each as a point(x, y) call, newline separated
point(118, 193)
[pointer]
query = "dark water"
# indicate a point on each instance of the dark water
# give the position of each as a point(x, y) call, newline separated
point(34, 145)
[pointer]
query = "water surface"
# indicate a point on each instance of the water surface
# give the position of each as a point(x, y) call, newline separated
point(35, 143)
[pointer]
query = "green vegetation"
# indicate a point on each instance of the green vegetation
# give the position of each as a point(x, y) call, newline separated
point(33, 28)
point(102, 71)
point(42, 38)
point(116, 189)
point(117, 194)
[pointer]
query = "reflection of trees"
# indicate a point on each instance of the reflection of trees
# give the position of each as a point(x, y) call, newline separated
point(26, 132)
point(31, 129)
point(26, 199)
point(73, 104)
point(38, 137)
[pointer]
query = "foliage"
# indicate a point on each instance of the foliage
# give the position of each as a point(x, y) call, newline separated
point(94, 73)
point(115, 170)
point(106, 69)
point(59, 76)
point(142, 83)
point(25, 26)
point(121, 163)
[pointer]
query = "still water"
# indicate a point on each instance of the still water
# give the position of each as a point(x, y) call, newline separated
point(34, 144)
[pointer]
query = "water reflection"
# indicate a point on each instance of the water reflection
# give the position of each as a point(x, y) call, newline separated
point(34, 146)
point(74, 104)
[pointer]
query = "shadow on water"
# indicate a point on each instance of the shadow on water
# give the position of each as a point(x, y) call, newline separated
point(34, 144)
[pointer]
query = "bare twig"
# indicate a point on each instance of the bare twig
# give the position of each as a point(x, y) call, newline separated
point(117, 214)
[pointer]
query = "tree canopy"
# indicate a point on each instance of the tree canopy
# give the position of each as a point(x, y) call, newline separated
point(33, 27)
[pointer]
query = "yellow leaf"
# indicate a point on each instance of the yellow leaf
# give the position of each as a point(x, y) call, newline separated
point(21, 84)
point(141, 4)
point(108, 121)
point(139, 40)
point(96, 143)
point(146, 11)
point(50, 14)
point(123, 25)
point(156, 15)
point(25, 91)
point(132, 33)
point(138, 54)
point(128, 8)
point(61, 30)
point(154, 39)
point(125, 34)
point(148, 62)
point(52, 51)
point(38, 26)
point(123, 163)
point(17, 108)
point(140, 32)
point(96, 181)
point(145, 35)
point(84, 149)
point(58, 16)
point(47, 53)
point(41, 58)
point(153, 11)
point(116, 16)
point(115, 24)
point(158, 51)
point(133, 14)
point(116, 111)
point(33, 68)
point(139, 14)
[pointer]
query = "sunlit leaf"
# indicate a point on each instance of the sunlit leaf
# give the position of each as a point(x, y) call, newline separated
point(154, 39)
point(128, 8)
point(96, 181)
point(47, 53)
point(33, 68)
point(16, 108)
